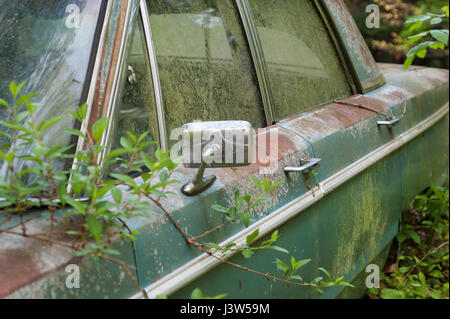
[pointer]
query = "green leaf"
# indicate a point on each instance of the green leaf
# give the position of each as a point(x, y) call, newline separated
point(392, 294)
point(111, 251)
point(218, 296)
point(126, 143)
point(435, 20)
point(277, 248)
point(83, 252)
point(95, 227)
point(125, 179)
point(301, 263)
point(132, 136)
point(13, 88)
point(220, 208)
point(419, 48)
point(163, 176)
point(345, 284)
point(437, 45)
point(4, 103)
point(247, 253)
point(266, 184)
point(75, 132)
point(297, 277)
point(115, 153)
point(250, 238)
point(245, 218)
point(256, 182)
point(117, 195)
point(326, 273)
point(401, 237)
point(436, 274)
point(445, 9)
point(423, 17)
point(216, 246)
point(238, 199)
point(45, 125)
point(196, 294)
point(440, 35)
point(403, 270)
point(416, 37)
point(80, 207)
point(99, 128)
point(415, 26)
point(414, 236)
point(408, 62)
point(282, 266)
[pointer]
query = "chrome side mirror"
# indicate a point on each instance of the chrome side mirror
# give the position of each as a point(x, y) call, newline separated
point(213, 145)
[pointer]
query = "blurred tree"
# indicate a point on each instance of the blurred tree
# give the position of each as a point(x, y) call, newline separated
point(387, 43)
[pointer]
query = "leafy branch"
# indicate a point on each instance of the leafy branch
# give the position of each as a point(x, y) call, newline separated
point(437, 38)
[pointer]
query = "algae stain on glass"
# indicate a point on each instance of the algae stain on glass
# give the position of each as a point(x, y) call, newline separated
point(37, 46)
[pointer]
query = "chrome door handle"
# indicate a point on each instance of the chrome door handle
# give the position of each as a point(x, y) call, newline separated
point(389, 123)
point(305, 168)
point(131, 75)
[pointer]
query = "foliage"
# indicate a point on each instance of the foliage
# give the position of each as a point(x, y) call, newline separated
point(421, 269)
point(387, 43)
point(243, 205)
point(99, 198)
point(93, 192)
point(439, 37)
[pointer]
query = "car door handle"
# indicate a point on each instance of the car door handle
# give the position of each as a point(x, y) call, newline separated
point(131, 75)
point(389, 123)
point(305, 168)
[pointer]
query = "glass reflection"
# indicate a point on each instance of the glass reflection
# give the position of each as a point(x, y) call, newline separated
point(48, 45)
point(204, 63)
point(303, 66)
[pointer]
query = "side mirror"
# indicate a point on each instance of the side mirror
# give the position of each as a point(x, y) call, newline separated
point(213, 145)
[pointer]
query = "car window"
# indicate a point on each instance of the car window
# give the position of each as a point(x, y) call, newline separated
point(136, 109)
point(48, 45)
point(204, 62)
point(304, 68)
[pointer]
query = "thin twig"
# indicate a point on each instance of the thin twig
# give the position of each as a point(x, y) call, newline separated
point(212, 230)
point(425, 256)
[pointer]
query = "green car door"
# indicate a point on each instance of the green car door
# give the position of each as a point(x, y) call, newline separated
point(349, 141)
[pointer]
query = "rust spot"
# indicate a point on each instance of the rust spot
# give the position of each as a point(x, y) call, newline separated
point(17, 269)
point(355, 41)
point(109, 64)
point(285, 144)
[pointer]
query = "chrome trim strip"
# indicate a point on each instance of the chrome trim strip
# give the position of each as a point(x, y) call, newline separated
point(95, 74)
point(204, 263)
point(112, 105)
point(164, 144)
point(259, 63)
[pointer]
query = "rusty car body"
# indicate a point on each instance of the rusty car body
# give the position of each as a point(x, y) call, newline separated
point(300, 68)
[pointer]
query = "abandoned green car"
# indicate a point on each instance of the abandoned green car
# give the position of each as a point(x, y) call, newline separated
point(297, 72)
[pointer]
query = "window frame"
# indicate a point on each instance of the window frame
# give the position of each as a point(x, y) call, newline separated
point(259, 61)
point(256, 56)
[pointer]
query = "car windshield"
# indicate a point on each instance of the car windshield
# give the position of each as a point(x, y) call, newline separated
point(47, 44)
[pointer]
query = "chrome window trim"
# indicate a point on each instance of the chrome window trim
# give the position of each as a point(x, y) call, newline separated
point(112, 104)
point(338, 45)
point(193, 269)
point(93, 83)
point(259, 62)
point(163, 141)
